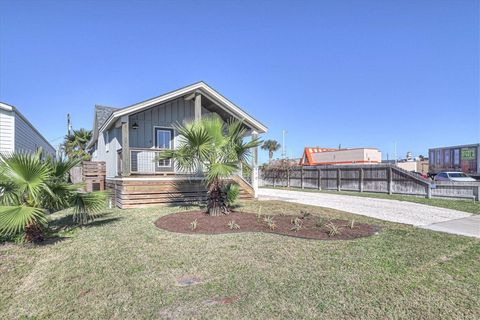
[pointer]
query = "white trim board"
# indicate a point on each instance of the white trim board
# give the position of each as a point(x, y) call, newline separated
point(205, 89)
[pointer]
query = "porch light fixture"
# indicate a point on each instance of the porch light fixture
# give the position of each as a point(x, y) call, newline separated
point(135, 126)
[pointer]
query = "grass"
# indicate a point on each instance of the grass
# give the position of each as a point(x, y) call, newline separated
point(461, 205)
point(123, 267)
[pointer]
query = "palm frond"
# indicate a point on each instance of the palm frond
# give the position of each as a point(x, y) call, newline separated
point(28, 172)
point(14, 219)
point(86, 205)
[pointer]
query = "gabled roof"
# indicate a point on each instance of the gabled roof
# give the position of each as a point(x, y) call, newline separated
point(204, 89)
point(101, 114)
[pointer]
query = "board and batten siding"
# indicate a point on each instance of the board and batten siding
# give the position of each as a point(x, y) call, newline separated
point(107, 150)
point(7, 125)
point(164, 115)
point(27, 139)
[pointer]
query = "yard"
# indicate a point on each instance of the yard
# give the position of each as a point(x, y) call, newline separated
point(122, 267)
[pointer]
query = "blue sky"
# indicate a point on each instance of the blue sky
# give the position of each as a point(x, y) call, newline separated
point(355, 73)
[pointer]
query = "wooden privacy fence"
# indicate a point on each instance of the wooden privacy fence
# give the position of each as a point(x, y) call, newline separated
point(367, 178)
point(92, 173)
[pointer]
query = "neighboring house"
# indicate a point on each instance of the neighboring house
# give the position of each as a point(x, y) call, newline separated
point(314, 156)
point(17, 134)
point(129, 139)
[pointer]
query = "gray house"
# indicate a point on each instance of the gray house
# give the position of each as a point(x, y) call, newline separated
point(129, 139)
point(17, 134)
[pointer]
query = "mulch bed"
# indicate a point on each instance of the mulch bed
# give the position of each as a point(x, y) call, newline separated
point(312, 227)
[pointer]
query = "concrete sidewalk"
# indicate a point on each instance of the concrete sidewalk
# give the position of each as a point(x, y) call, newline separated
point(469, 226)
point(420, 215)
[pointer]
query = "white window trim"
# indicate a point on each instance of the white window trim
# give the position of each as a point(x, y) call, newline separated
point(172, 146)
point(107, 141)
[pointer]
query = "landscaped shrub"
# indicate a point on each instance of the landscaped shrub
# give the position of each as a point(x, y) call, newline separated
point(232, 192)
point(193, 225)
point(333, 229)
point(233, 226)
point(297, 224)
point(270, 223)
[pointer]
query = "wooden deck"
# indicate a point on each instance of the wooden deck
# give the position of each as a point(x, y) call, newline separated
point(145, 191)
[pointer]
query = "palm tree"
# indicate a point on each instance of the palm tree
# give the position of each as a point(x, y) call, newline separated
point(214, 149)
point(31, 187)
point(75, 144)
point(271, 146)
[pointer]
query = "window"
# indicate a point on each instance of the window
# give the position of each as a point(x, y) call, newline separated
point(456, 157)
point(438, 158)
point(446, 157)
point(457, 175)
point(164, 140)
point(107, 141)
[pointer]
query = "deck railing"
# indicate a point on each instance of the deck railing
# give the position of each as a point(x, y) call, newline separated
point(144, 161)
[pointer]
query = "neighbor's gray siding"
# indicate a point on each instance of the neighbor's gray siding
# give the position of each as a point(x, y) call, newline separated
point(164, 115)
point(7, 125)
point(27, 139)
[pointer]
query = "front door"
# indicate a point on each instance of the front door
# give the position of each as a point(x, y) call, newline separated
point(164, 140)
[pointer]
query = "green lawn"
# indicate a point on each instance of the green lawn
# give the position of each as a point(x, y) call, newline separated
point(123, 267)
point(461, 205)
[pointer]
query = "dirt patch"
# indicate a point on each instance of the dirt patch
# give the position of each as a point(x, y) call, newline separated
point(310, 227)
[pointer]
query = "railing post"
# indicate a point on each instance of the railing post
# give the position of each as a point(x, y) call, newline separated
point(361, 179)
point(125, 147)
point(301, 177)
point(339, 188)
point(429, 191)
point(319, 179)
point(389, 177)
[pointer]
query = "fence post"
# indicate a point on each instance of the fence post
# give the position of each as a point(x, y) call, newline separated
point(361, 179)
point(478, 193)
point(389, 177)
point(429, 191)
point(301, 177)
point(274, 180)
point(288, 178)
point(319, 179)
point(339, 180)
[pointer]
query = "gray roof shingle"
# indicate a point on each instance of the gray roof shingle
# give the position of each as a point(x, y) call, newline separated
point(102, 113)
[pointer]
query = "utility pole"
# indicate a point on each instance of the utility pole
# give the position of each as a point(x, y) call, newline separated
point(395, 151)
point(69, 127)
point(284, 152)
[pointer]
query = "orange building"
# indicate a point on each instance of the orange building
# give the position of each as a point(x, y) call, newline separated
point(314, 156)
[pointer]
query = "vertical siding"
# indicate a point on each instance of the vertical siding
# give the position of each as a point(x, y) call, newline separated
point(164, 115)
point(6, 131)
point(110, 157)
point(27, 139)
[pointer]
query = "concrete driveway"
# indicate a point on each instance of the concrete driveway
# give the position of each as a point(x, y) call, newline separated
point(433, 218)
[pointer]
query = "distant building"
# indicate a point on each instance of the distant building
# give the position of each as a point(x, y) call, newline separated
point(314, 156)
point(465, 158)
point(17, 134)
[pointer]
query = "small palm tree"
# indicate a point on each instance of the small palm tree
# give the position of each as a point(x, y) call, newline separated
point(214, 149)
point(75, 144)
point(31, 187)
point(271, 146)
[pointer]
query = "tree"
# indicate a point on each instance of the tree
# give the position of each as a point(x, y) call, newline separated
point(214, 149)
point(31, 187)
point(75, 144)
point(271, 146)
